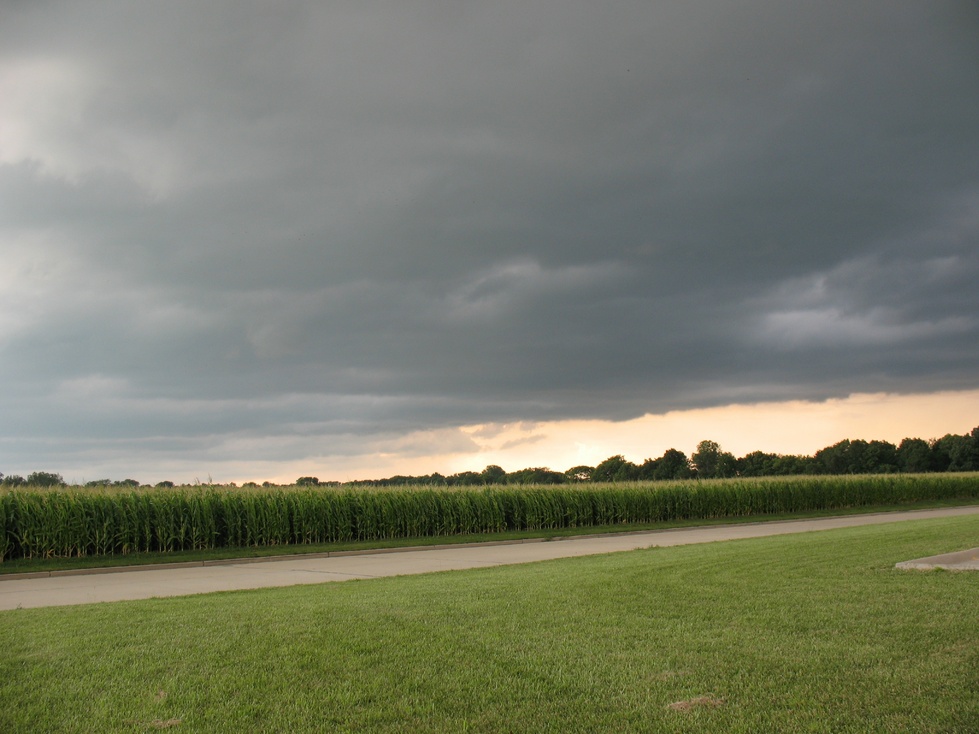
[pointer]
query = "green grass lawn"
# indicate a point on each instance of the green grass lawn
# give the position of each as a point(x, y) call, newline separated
point(805, 633)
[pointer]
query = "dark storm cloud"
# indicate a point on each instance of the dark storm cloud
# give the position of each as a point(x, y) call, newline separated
point(263, 222)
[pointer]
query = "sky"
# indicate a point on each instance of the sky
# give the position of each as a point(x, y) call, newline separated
point(250, 241)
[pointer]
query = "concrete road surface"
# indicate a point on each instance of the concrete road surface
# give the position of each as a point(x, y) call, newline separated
point(87, 587)
point(967, 560)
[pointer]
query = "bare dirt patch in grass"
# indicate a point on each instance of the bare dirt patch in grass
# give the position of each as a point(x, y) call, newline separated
point(698, 702)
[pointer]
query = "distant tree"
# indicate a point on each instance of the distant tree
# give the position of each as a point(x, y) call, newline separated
point(536, 475)
point(647, 470)
point(579, 473)
point(128, 483)
point(706, 459)
point(727, 465)
point(165, 484)
point(857, 457)
point(307, 481)
point(940, 458)
point(267, 484)
point(833, 459)
point(466, 479)
point(400, 480)
point(673, 465)
point(99, 483)
point(914, 455)
point(790, 465)
point(605, 470)
point(880, 457)
point(615, 469)
point(757, 464)
point(44, 479)
point(494, 474)
point(13, 480)
point(250, 484)
point(954, 453)
point(713, 463)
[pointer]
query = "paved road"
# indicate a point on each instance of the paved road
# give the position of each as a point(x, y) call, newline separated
point(90, 587)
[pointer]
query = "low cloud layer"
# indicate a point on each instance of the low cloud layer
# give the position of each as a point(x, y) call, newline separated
point(306, 230)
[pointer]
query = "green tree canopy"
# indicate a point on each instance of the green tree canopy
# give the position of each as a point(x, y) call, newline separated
point(615, 469)
point(673, 465)
point(711, 462)
point(580, 473)
point(493, 474)
point(44, 479)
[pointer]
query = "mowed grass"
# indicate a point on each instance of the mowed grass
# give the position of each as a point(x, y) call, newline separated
point(806, 633)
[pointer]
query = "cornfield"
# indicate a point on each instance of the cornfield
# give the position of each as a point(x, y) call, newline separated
point(44, 523)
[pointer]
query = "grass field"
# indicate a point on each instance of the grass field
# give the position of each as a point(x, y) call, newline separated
point(813, 632)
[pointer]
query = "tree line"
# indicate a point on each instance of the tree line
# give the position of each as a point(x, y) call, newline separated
point(50, 479)
point(950, 453)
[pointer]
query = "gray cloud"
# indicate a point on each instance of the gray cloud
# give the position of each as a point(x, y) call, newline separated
point(343, 220)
